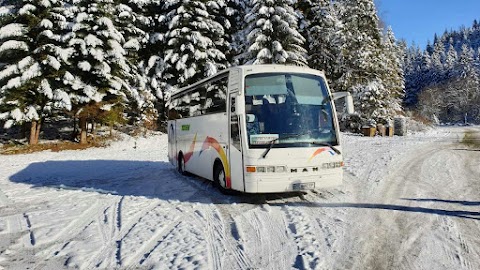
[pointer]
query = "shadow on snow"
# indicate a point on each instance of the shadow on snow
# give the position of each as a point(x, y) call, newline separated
point(466, 203)
point(160, 180)
point(130, 178)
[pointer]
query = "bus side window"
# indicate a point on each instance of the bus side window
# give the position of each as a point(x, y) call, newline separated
point(183, 108)
point(197, 102)
point(217, 96)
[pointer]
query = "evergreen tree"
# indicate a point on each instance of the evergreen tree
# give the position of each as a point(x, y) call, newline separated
point(393, 78)
point(154, 20)
point(321, 26)
point(361, 57)
point(450, 62)
point(192, 44)
point(128, 20)
point(273, 33)
point(230, 14)
point(438, 57)
point(236, 11)
point(466, 87)
point(100, 70)
point(32, 37)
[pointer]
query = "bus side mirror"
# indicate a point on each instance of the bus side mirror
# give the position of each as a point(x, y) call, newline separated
point(349, 104)
point(251, 118)
point(348, 100)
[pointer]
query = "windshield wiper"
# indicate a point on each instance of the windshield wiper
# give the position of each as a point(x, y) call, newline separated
point(272, 142)
point(328, 145)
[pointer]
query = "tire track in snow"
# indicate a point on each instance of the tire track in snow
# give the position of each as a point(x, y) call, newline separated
point(29, 228)
point(224, 246)
point(148, 248)
point(15, 227)
point(430, 170)
point(119, 213)
point(311, 250)
point(263, 235)
point(54, 246)
point(113, 243)
point(212, 217)
point(384, 253)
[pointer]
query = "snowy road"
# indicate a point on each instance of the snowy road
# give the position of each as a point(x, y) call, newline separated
point(407, 203)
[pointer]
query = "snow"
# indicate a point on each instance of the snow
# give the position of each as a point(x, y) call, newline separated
point(47, 24)
point(84, 65)
point(12, 30)
point(31, 114)
point(406, 203)
point(13, 45)
point(46, 89)
point(27, 9)
point(93, 41)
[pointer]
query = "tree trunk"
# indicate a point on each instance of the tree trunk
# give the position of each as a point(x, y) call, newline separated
point(24, 131)
point(35, 132)
point(75, 129)
point(83, 130)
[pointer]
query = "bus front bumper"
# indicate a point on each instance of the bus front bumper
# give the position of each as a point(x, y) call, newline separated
point(273, 184)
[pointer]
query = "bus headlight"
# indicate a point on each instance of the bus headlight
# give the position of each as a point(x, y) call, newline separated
point(332, 165)
point(261, 169)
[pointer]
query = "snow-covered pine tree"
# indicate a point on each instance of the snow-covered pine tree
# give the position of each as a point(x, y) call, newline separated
point(321, 27)
point(438, 59)
point(235, 13)
point(229, 13)
point(466, 87)
point(32, 37)
point(393, 78)
point(361, 57)
point(273, 33)
point(155, 18)
point(129, 21)
point(413, 75)
point(193, 44)
point(100, 70)
point(451, 59)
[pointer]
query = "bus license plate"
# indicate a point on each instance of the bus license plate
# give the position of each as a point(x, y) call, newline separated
point(303, 186)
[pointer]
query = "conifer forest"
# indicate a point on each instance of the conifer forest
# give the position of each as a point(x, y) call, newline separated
point(116, 62)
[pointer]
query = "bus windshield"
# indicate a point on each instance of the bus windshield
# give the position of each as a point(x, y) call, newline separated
point(288, 109)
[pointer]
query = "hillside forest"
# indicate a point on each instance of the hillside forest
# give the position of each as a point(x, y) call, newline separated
point(116, 62)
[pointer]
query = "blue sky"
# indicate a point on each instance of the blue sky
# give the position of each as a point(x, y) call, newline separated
point(418, 20)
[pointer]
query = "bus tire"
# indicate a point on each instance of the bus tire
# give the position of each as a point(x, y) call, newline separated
point(219, 179)
point(181, 165)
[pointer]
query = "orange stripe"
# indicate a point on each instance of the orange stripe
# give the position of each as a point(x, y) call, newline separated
point(316, 153)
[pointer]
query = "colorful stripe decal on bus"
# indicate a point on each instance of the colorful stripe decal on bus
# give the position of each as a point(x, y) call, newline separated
point(189, 154)
point(319, 151)
point(211, 142)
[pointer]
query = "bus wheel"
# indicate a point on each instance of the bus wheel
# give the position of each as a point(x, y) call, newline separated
point(219, 179)
point(181, 165)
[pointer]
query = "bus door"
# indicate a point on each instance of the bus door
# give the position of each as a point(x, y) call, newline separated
point(235, 156)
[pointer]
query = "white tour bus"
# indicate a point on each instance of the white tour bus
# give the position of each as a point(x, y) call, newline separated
point(258, 129)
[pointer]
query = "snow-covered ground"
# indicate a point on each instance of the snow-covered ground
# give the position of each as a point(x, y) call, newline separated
point(406, 203)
